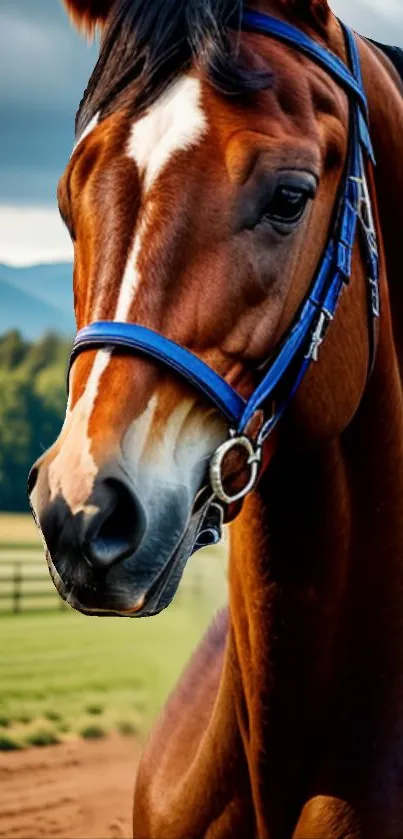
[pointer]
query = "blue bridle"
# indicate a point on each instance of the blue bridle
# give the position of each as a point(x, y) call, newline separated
point(288, 365)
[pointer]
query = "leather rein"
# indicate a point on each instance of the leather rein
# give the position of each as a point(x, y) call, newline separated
point(285, 370)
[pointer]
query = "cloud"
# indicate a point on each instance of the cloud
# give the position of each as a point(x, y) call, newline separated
point(33, 234)
point(47, 62)
point(44, 68)
point(378, 19)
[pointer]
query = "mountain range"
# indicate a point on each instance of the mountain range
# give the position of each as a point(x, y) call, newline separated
point(37, 299)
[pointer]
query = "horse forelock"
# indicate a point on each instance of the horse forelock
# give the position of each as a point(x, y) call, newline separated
point(147, 45)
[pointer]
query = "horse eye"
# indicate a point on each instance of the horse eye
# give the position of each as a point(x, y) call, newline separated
point(287, 206)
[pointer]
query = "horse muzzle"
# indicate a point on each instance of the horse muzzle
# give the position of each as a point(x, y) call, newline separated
point(118, 555)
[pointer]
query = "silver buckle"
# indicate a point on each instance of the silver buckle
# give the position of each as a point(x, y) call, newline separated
point(364, 211)
point(367, 221)
point(216, 464)
point(318, 336)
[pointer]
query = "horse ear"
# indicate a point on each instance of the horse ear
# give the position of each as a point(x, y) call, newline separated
point(87, 14)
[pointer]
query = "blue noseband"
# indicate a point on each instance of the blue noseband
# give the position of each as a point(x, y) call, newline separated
point(300, 346)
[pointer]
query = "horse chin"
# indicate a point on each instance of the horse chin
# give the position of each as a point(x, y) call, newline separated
point(204, 528)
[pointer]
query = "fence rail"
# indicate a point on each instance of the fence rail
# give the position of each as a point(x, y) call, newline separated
point(22, 589)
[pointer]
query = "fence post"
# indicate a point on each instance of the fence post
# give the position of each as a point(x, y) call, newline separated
point(17, 588)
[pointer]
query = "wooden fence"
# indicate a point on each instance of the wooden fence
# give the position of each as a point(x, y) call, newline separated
point(25, 583)
point(19, 591)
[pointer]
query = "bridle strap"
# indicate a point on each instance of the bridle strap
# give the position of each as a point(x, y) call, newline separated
point(280, 30)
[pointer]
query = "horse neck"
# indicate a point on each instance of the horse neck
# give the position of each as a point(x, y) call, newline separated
point(316, 604)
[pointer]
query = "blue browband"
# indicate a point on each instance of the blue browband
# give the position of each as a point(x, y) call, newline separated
point(288, 365)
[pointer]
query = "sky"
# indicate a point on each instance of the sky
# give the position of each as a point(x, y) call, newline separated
point(44, 68)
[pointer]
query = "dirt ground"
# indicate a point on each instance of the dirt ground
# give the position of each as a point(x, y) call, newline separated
point(78, 790)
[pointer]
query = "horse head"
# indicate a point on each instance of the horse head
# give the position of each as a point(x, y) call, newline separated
point(199, 197)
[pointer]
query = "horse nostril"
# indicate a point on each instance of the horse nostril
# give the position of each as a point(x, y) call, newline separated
point(119, 526)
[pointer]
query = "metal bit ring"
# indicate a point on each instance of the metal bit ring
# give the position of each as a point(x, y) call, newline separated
point(216, 464)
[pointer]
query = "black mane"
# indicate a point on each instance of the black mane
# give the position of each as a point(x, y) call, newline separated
point(147, 43)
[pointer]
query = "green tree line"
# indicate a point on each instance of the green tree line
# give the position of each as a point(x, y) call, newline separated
point(32, 407)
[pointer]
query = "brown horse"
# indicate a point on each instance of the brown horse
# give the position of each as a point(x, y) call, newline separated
point(199, 197)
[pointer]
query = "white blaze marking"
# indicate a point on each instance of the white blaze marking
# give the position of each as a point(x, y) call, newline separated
point(73, 471)
point(174, 123)
point(131, 275)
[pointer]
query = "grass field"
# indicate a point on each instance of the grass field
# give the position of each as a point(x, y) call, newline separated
point(63, 674)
